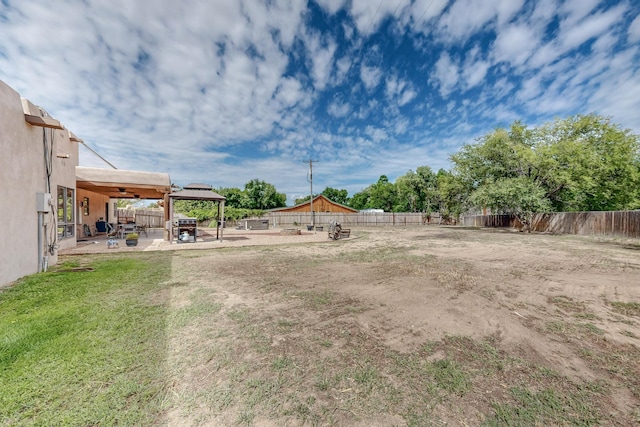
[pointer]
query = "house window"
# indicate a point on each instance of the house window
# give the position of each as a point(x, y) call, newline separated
point(66, 223)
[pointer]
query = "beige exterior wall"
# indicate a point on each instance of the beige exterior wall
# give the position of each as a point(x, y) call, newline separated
point(97, 209)
point(22, 177)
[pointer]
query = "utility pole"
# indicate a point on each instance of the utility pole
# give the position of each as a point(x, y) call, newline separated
point(311, 189)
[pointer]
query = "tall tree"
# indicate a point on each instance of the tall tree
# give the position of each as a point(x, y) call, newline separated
point(579, 163)
point(360, 200)
point(302, 200)
point(236, 198)
point(382, 195)
point(262, 195)
point(588, 164)
point(417, 191)
point(338, 196)
point(519, 196)
point(454, 194)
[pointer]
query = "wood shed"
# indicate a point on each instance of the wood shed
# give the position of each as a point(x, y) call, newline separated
point(320, 204)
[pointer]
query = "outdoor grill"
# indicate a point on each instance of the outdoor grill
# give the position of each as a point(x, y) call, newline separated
point(187, 230)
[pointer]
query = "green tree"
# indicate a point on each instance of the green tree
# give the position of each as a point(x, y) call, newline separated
point(360, 200)
point(417, 191)
point(203, 210)
point(500, 154)
point(382, 195)
point(236, 198)
point(262, 195)
point(338, 196)
point(586, 163)
point(454, 194)
point(519, 196)
point(580, 163)
point(301, 200)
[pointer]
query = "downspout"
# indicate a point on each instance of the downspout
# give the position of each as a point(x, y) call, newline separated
point(40, 252)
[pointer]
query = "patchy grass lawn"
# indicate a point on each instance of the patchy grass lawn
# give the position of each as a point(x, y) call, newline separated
point(426, 326)
point(85, 347)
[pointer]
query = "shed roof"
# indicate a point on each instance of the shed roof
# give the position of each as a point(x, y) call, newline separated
point(316, 200)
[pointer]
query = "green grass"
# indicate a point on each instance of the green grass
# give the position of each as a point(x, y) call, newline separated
point(626, 308)
point(84, 348)
point(544, 407)
point(103, 347)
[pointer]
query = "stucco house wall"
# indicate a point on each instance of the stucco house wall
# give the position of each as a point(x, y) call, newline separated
point(23, 174)
point(91, 213)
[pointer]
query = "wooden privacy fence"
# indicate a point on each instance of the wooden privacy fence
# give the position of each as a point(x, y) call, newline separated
point(612, 223)
point(362, 219)
point(151, 217)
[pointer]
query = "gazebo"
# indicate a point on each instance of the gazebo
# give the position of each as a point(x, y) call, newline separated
point(198, 192)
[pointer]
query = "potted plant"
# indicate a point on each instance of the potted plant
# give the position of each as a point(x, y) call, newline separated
point(132, 239)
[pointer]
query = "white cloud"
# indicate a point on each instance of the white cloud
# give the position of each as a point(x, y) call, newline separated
point(605, 43)
point(543, 12)
point(574, 34)
point(368, 14)
point(475, 73)
point(514, 44)
point(545, 54)
point(370, 76)
point(290, 92)
point(243, 85)
point(332, 6)
point(339, 109)
point(407, 96)
point(575, 10)
point(530, 89)
point(576, 29)
point(321, 54)
point(424, 10)
point(475, 68)
point(399, 91)
point(618, 95)
point(446, 74)
point(466, 17)
point(634, 30)
point(343, 65)
point(502, 88)
point(378, 135)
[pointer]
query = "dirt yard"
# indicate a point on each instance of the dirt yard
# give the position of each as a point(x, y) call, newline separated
point(395, 327)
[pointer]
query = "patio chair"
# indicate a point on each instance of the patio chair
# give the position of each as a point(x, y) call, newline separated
point(111, 232)
point(126, 229)
point(101, 227)
point(142, 229)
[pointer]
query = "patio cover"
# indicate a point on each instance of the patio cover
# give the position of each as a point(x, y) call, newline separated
point(198, 192)
point(124, 184)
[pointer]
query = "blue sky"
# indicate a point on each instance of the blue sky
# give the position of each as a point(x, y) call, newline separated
point(224, 91)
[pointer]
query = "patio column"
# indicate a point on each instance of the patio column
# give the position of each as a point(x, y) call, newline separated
point(170, 220)
point(221, 205)
point(167, 217)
